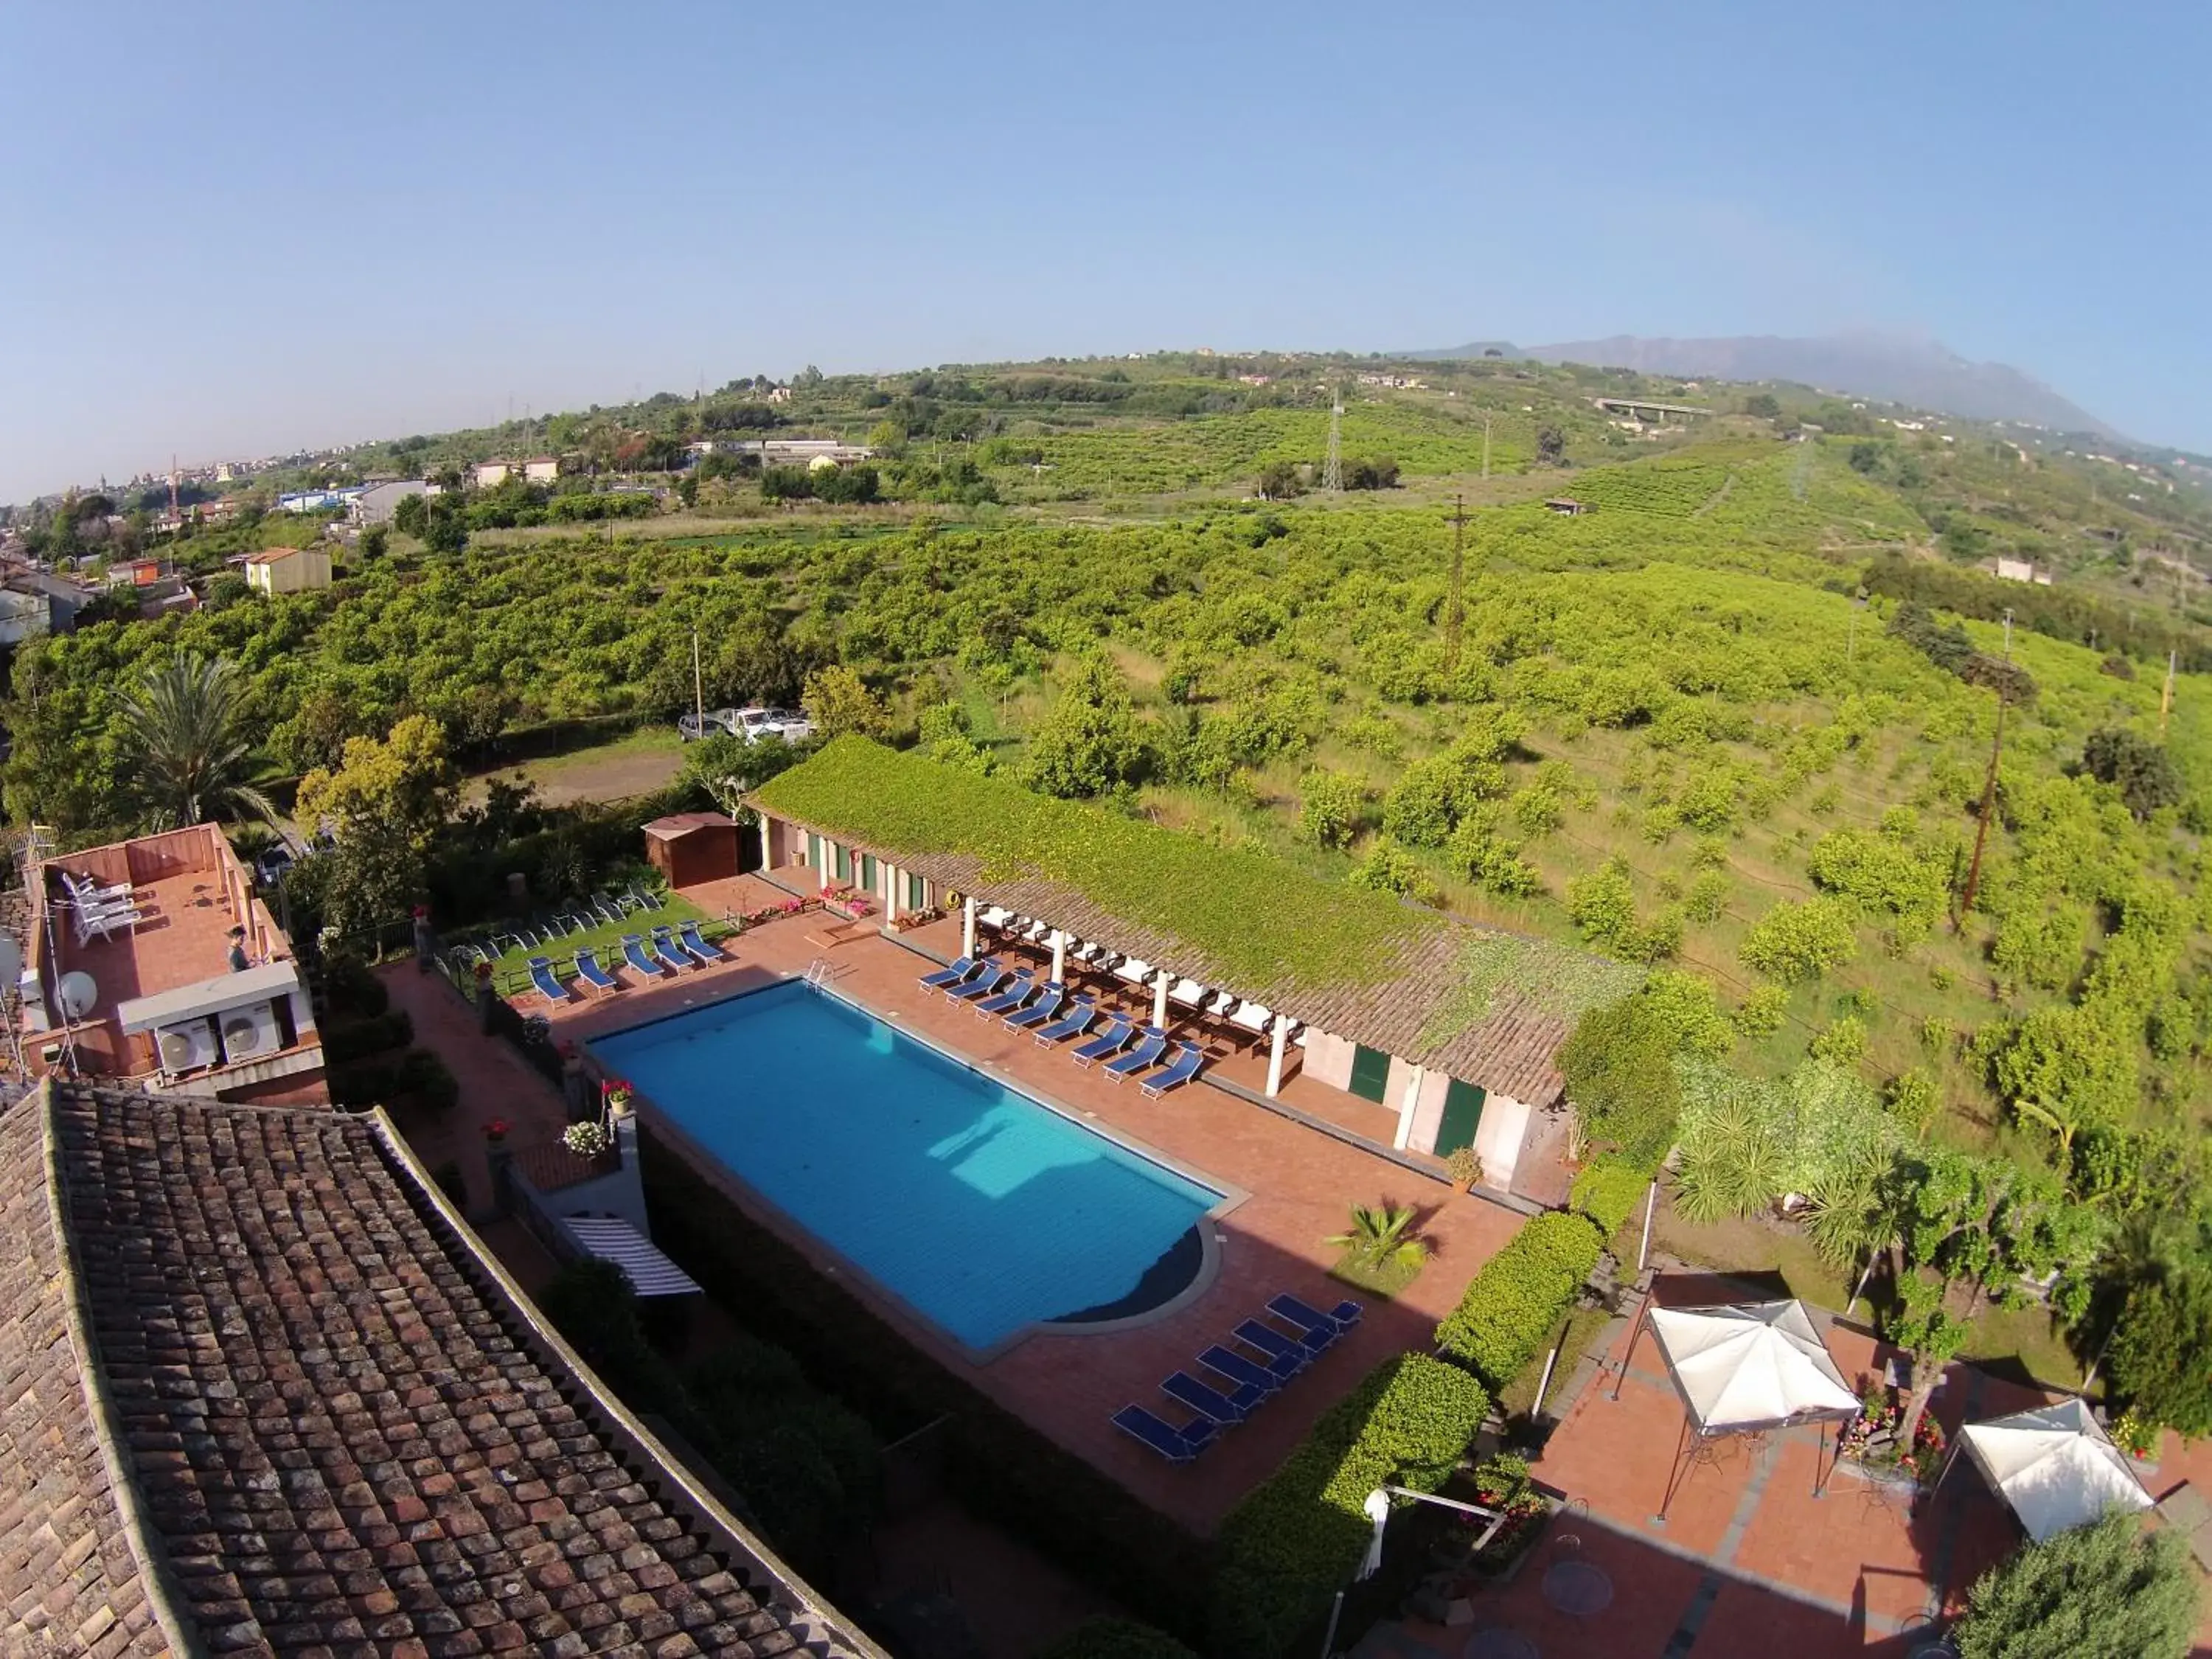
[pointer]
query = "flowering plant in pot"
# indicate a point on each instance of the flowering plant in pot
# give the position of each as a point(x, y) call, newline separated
point(495, 1131)
point(585, 1140)
point(616, 1093)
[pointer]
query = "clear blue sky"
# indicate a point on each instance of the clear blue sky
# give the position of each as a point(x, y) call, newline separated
point(234, 227)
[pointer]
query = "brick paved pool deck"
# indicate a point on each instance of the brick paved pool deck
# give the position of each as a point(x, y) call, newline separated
point(1748, 1564)
point(1301, 1184)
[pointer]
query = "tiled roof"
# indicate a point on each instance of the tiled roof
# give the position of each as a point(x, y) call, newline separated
point(338, 1431)
point(1475, 1002)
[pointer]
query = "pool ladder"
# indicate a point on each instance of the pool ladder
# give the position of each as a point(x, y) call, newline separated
point(819, 971)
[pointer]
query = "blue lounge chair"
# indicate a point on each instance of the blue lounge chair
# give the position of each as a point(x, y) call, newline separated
point(1176, 1445)
point(633, 953)
point(1010, 998)
point(1311, 1319)
point(1119, 1029)
point(945, 976)
point(985, 984)
point(588, 970)
point(1273, 1344)
point(1176, 1072)
point(1074, 1022)
point(1249, 1373)
point(541, 976)
point(1227, 1409)
point(689, 932)
point(666, 948)
point(1038, 1011)
point(1142, 1058)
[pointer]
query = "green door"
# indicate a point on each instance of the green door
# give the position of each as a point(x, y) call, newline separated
point(917, 891)
point(844, 863)
point(868, 872)
point(1462, 1116)
point(1371, 1073)
point(814, 852)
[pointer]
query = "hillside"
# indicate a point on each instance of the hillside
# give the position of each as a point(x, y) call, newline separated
point(1916, 372)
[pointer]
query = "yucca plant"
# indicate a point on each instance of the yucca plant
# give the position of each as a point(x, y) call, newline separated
point(1383, 1237)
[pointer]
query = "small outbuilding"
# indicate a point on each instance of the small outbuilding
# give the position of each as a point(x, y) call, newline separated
point(691, 847)
point(1566, 506)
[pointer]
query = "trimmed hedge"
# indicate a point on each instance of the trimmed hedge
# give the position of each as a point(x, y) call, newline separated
point(1114, 1638)
point(1608, 1191)
point(1297, 1538)
point(357, 1039)
point(1511, 1305)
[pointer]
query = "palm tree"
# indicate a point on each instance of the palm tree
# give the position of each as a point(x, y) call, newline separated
point(189, 757)
point(1382, 1237)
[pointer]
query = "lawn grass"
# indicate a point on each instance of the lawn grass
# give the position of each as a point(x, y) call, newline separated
point(1388, 1281)
point(510, 972)
point(1518, 1397)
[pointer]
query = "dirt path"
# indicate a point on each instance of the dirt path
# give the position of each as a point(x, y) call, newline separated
point(611, 772)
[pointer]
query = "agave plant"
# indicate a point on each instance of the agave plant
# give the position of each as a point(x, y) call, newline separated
point(1383, 1237)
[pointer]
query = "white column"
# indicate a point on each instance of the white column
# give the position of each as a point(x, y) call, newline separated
point(1059, 956)
point(967, 927)
point(768, 863)
point(1160, 1000)
point(1278, 1036)
point(890, 875)
point(1407, 1107)
point(828, 863)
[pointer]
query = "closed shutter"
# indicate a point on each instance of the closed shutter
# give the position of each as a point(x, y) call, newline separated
point(1464, 1103)
point(917, 892)
point(813, 851)
point(844, 864)
point(1371, 1073)
point(868, 872)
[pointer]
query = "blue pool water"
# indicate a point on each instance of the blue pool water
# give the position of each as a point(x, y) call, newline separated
point(982, 1208)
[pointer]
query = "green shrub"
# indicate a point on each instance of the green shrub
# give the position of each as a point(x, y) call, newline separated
point(1298, 1536)
point(429, 1078)
point(1801, 941)
point(1607, 1192)
point(1761, 1013)
point(1511, 1305)
point(1114, 1638)
point(357, 1039)
point(2109, 1590)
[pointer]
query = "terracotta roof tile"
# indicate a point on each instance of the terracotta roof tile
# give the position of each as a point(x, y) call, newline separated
point(339, 1433)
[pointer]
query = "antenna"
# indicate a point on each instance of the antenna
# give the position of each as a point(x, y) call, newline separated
point(1332, 470)
point(1455, 608)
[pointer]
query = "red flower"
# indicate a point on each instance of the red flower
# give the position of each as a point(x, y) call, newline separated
point(496, 1128)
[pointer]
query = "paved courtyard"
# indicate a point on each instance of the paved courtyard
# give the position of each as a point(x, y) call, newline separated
point(1302, 1183)
point(1749, 1562)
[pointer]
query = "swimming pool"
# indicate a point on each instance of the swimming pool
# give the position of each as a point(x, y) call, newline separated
point(984, 1210)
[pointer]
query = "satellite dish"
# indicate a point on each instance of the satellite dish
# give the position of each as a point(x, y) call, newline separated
point(78, 992)
point(11, 961)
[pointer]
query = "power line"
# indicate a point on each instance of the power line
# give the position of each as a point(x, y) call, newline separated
point(1331, 469)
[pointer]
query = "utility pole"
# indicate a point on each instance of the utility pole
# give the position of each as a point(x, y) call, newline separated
point(1332, 470)
point(2008, 633)
point(1982, 829)
point(698, 683)
point(1456, 610)
point(1486, 446)
point(2166, 697)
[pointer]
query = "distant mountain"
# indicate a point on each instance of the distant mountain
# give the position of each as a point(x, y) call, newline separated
point(1893, 369)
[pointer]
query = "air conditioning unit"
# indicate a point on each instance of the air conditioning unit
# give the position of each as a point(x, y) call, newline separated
point(249, 1031)
point(186, 1048)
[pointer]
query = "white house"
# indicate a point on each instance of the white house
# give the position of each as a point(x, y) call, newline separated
point(542, 469)
point(491, 475)
point(287, 570)
point(375, 504)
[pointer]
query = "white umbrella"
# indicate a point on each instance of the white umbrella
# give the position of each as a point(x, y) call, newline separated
point(1758, 1365)
point(2054, 1466)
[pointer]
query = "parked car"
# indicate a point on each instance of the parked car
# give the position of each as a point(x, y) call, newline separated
point(716, 720)
point(754, 723)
